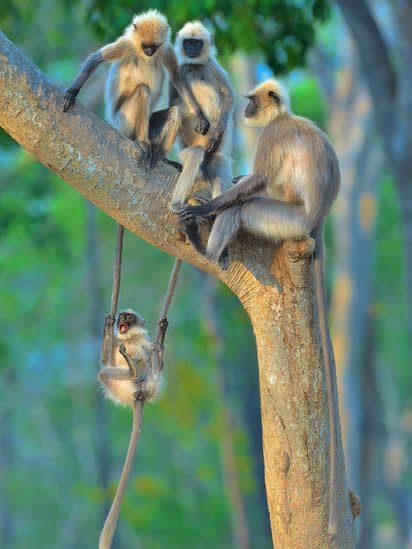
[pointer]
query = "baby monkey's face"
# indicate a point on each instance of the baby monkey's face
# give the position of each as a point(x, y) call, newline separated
point(128, 320)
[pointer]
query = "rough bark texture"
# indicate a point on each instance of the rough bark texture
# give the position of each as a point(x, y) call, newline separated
point(275, 287)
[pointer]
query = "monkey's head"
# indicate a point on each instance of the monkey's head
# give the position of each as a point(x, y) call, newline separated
point(265, 103)
point(194, 43)
point(149, 33)
point(128, 323)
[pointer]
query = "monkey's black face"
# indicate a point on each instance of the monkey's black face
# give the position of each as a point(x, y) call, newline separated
point(150, 49)
point(126, 321)
point(192, 47)
point(252, 106)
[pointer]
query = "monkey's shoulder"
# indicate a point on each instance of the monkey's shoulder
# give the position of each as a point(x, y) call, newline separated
point(196, 71)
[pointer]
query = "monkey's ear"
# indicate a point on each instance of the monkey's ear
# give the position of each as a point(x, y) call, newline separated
point(274, 96)
point(134, 26)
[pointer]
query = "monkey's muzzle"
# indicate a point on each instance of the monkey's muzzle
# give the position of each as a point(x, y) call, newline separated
point(149, 49)
point(192, 47)
point(251, 108)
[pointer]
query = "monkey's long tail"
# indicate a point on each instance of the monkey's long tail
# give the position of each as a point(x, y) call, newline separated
point(329, 362)
point(109, 527)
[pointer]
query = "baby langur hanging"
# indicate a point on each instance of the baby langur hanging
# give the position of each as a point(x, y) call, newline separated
point(130, 373)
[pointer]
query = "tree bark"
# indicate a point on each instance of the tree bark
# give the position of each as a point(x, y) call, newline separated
point(274, 285)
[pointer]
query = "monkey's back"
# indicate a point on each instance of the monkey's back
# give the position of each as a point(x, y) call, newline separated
point(299, 164)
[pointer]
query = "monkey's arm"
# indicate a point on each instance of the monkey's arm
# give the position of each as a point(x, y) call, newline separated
point(131, 362)
point(228, 98)
point(110, 52)
point(246, 187)
point(158, 345)
point(181, 85)
point(107, 343)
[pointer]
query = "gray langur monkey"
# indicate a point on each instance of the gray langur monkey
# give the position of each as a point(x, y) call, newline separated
point(135, 82)
point(130, 375)
point(294, 182)
point(209, 85)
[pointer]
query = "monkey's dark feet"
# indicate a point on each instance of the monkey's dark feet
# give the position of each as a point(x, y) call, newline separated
point(163, 324)
point(191, 229)
point(122, 349)
point(69, 99)
point(214, 142)
point(224, 260)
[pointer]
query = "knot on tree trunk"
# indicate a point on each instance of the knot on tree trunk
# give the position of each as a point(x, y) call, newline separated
point(291, 265)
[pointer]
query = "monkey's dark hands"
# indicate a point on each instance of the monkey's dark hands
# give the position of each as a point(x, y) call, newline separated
point(203, 123)
point(214, 141)
point(109, 321)
point(163, 324)
point(224, 260)
point(69, 98)
point(188, 213)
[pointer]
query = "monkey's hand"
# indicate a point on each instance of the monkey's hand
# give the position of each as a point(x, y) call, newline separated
point(109, 321)
point(69, 98)
point(188, 213)
point(203, 123)
point(163, 324)
point(214, 141)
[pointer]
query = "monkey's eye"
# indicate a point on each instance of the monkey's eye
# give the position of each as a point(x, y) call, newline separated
point(274, 96)
point(129, 318)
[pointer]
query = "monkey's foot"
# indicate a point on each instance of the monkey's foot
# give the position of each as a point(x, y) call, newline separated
point(187, 213)
point(224, 260)
point(69, 99)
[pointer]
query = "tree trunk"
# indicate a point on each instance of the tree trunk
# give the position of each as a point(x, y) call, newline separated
point(274, 285)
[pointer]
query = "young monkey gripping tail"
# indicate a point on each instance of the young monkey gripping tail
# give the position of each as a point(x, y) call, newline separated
point(130, 376)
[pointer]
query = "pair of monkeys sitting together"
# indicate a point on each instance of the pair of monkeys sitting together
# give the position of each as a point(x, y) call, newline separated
point(294, 181)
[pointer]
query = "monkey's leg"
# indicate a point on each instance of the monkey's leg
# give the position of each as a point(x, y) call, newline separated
point(219, 172)
point(164, 126)
point(107, 343)
point(235, 195)
point(131, 362)
point(224, 230)
point(192, 158)
point(114, 372)
point(274, 219)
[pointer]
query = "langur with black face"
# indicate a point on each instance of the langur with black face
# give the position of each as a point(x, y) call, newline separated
point(135, 82)
point(294, 182)
point(130, 375)
point(211, 96)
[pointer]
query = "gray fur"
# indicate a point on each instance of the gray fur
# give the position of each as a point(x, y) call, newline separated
point(209, 94)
